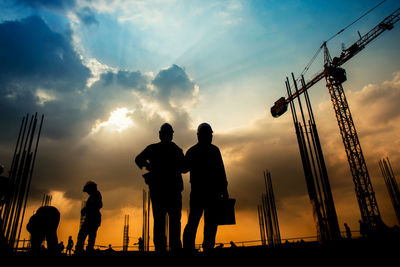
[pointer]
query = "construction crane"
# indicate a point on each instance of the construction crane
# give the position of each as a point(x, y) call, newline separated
point(334, 76)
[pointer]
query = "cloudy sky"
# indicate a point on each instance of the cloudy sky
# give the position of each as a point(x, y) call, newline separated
point(107, 73)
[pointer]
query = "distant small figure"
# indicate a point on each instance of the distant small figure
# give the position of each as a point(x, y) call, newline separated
point(5, 186)
point(70, 245)
point(363, 229)
point(5, 191)
point(43, 225)
point(92, 221)
point(348, 232)
point(208, 185)
point(61, 247)
point(109, 249)
point(140, 244)
point(233, 245)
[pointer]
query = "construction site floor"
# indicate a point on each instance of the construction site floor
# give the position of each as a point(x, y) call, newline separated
point(365, 252)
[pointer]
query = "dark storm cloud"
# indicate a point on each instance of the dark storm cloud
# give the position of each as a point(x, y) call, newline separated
point(34, 57)
point(33, 54)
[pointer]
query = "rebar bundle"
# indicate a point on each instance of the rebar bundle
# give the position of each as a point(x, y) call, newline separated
point(167, 229)
point(146, 220)
point(20, 177)
point(268, 218)
point(315, 172)
point(391, 184)
point(46, 200)
point(126, 234)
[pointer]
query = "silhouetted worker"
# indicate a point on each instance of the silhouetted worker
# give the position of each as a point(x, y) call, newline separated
point(348, 232)
point(61, 247)
point(5, 186)
point(363, 229)
point(43, 225)
point(5, 192)
point(92, 215)
point(140, 244)
point(164, 161)
point(70, 245)
point(110, 249)
point(208, 185)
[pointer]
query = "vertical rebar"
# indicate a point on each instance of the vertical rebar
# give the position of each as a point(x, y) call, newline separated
point(391, 185)
point(20, 177)
point(314, 167)
point(31, 174)
point(125, 241)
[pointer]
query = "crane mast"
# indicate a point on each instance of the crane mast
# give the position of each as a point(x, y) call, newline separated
point(362, 183)
point(334, 77)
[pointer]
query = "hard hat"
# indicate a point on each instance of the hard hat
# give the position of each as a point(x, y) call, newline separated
point(166, 127)
point(204, 127)
point(88, 185)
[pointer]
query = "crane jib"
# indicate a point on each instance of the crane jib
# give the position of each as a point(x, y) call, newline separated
point(280, 106)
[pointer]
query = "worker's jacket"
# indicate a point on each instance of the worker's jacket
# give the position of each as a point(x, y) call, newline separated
point(166, 165)
point(91, 211)
point(207, 172)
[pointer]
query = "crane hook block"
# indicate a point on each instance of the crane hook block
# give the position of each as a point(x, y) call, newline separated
point(279, 108)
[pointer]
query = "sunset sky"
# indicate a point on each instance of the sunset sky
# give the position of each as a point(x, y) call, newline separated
point(107, 73)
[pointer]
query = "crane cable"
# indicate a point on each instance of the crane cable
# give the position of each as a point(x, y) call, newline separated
point(336, 34)
point(345, 28)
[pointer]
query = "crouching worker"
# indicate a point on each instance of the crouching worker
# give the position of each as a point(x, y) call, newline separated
point(92, 218)
point(43, 225)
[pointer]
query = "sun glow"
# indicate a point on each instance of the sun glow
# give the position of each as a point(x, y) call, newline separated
point(118, 121)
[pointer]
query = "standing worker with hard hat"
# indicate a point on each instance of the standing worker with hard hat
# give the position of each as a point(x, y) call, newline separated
point(208, 185)
point(164, 161)
point(92, 215)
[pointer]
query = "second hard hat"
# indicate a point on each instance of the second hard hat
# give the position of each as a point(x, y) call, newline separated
point(204, 127)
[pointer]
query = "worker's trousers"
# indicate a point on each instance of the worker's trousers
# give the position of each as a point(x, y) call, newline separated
point(198, 205)
point(164, 204)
